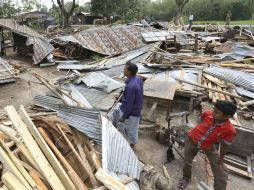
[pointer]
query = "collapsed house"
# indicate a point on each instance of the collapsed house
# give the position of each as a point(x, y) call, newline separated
point(79, 148)
point(27, 41)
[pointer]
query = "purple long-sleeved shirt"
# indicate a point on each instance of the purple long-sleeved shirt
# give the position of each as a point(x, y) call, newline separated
point(133, 97)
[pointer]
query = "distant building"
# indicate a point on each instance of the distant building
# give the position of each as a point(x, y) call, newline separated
point(87, 18)
point(36, 18)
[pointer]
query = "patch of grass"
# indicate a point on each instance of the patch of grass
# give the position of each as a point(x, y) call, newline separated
point(221, 22)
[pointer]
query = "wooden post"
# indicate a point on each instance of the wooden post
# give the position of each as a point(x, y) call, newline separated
point(166, 46)
point(175, 43)
point(196, 43)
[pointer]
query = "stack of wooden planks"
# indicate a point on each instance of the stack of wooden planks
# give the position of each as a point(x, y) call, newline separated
point(7, 72)
point(45, 153)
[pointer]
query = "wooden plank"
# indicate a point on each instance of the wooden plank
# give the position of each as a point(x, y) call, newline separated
point(92, 160)
point(159, 89)
point(19, 166)
point(235, 164)
point(72, 174)
point(213, 89)
point(165, 172)
point(4, 188)
point(39, 158)
point(8, 164)
point(47, 151)
point(222, 96)
point(109, 182)
point(151, 111)
point(209, 84)
point(83, 163)
point(214, 80)
point(27, 155)
point(238, 171)
point(249, 168)
point(12, 182)
point(38, 181)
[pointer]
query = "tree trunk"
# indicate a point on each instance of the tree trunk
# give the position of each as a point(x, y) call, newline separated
point(67, 22)
point(178, 16)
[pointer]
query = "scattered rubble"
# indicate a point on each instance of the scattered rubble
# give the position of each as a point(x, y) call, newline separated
point(72, 145)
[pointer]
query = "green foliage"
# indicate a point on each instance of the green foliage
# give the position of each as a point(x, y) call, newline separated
point(129, 10)
point(201, 9)
point(8, 9)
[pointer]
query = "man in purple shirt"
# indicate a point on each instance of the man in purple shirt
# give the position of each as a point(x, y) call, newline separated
point(126, 115)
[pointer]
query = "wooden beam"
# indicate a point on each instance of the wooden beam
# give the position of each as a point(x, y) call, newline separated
point(83, 163)
point(71, 172)
point(39, 158)
point(6, 161)
point(151, 111)
point(238, 171)
point(109, 182)
point(87, 155)
point(12, 182)
point(38, 181)
point(19, 166)
point(213, 89)
point(46, 150)
point(249, 168)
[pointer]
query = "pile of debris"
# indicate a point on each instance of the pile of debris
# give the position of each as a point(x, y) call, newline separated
point(7, 72)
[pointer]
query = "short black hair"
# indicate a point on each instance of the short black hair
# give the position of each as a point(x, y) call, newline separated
point(133, 68)
point(226, 107)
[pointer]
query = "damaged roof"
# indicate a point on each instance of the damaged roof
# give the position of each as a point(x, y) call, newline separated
point(108, 41)
point(41, 47)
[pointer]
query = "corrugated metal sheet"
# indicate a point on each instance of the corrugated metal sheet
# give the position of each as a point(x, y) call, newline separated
point(160, 36)
point(47, 102)
point(98, 99)
point(108, 41)
point(84, 120)
point(21, 29)
point(117, 155)
point(190, 75)
point(238, 78)
point(101, 81)
point(41, 47)
point(244, 92)
point(77, 95)
point(6, 72)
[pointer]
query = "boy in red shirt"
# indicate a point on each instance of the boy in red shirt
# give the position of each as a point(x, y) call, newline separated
point(215, 127)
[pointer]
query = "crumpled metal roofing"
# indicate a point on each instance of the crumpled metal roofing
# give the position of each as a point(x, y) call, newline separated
point(101, 81)
point(108, 41)
point(85, 120)
point(117, 155)
point(41, 47)
point(160, 36)
point(6, 72)
point(238, 78)
point(98, 99)
point(243, 92)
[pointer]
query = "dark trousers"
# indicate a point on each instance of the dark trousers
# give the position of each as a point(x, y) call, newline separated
point(191, 150)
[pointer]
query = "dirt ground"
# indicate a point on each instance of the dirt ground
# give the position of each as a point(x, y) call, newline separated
point(149, 150)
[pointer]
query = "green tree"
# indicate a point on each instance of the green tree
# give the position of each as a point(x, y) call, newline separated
point(180, 4)
point(8, 9)
point(66, 11)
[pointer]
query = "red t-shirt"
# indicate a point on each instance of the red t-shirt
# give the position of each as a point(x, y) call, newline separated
point(207, 133)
